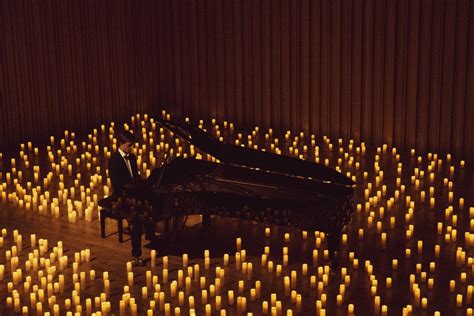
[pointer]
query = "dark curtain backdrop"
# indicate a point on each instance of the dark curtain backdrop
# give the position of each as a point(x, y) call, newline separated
point(73, 64)
point(384, 71)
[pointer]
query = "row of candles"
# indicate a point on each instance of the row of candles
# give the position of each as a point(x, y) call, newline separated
point(374, 202)
point(48, 290)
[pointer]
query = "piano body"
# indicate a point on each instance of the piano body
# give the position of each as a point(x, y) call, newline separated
point(246, 184)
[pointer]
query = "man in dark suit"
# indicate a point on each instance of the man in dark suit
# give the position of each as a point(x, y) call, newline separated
point(123, 169)
point(123, 172)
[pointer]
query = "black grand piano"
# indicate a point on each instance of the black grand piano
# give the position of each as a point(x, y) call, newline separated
point(246, 184)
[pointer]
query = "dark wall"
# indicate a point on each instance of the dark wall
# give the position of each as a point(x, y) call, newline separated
point(384, 71)
point(393, 71)
point(69, 64)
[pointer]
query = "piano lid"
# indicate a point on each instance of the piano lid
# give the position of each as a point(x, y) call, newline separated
point(266, 161)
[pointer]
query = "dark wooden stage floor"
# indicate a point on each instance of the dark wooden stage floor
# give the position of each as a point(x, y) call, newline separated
point(402, 255)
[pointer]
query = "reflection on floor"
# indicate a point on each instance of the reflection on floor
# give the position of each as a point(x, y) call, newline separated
point(408, 249)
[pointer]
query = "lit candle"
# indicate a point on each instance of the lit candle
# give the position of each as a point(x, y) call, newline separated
point(287, 285)
point(89, 306)
point(270, 266)
point(293, 279)
point(173, 288)
point(470, 290)
point(424, 303)
point(304, 269)
point(153, 258)
point(241, 285)
point(452, 285)
point(230, 297)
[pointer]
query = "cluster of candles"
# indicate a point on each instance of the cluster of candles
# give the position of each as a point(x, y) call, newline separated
point(42, 280)
point(390, 194)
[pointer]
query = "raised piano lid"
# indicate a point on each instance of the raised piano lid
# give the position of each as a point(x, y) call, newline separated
point(265, 161)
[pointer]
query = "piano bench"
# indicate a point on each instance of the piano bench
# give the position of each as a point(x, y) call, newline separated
point(107, 213)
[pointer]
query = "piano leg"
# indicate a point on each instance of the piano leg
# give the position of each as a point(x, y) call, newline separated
point(166, 224)
point(206, 221)
point(102, 222)
point(333, 248)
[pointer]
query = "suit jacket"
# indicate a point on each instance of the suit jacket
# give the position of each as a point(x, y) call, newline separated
point(119, 174)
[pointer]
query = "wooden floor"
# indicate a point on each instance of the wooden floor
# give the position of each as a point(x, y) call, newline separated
point(423, 282)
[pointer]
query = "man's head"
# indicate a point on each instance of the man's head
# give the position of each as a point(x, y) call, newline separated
point(125, 141)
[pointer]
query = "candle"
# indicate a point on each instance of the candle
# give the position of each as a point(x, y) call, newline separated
point(293, 279)
point(173, 288)
point(298, 303)
point(185, 260)
point(278, 270)
point(180, 298)
point(180, 278)
point(249, 270)
point(191, 302)
point(266, 250)
point(270, 266)
point(196, 272)
point(188, 284)
point(153, 258)
point(226, 259)
point(287, 285)
point(424, 303)
point(39, 308)
point(230, 297)
point(304, 269)
point(241, 285)
point(470, 290)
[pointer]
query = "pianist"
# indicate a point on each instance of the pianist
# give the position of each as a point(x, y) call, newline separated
point(123, 173)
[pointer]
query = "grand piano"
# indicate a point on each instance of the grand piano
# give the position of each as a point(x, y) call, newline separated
point(243, 183)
